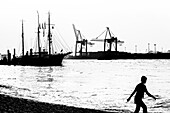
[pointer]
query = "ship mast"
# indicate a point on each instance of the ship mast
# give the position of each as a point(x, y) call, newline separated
point(22, 39)
point(49, 34)
point(38, 33)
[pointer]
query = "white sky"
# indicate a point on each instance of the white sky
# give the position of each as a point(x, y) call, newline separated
point(137, 22)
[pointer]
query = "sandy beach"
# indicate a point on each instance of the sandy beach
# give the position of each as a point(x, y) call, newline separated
point(17, 105)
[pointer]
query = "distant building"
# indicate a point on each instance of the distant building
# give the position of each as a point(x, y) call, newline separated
point(2, 56)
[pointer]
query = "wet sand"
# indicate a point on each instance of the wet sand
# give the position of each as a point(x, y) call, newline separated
point(17, 105)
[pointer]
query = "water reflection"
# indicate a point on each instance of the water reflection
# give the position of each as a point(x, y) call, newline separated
point(92, 83)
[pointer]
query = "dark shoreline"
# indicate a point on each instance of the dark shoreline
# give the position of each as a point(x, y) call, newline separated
point(10, 104)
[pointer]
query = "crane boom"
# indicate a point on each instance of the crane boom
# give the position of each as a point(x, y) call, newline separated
point(97, 40)
point(75, 31)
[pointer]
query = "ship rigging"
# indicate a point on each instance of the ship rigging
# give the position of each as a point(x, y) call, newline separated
point(43, 57)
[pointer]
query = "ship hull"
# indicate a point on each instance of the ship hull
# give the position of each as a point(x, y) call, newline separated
point(36, 60)
point(52, 60)
point(101, 55)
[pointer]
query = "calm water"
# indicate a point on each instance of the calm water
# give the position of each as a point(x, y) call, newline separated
point(99, 84)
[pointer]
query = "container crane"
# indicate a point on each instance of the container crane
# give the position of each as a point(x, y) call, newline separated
point(110, 40)
point(80, 42)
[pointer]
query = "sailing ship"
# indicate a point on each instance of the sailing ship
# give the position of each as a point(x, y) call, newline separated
point(40, 58)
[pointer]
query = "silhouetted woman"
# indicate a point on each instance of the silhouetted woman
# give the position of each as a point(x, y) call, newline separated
point(140, 90)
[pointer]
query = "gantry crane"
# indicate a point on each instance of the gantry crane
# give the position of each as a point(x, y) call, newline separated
point(79, 41)
point(110, 40)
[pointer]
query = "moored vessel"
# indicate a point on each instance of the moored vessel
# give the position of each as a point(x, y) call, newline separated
point(43, 57)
